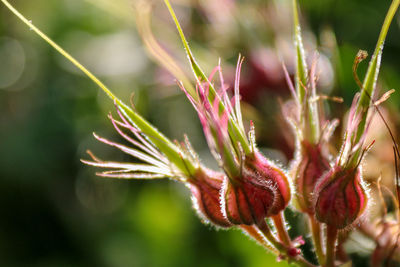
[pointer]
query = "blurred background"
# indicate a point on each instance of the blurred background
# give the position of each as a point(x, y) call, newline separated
point(54, 211)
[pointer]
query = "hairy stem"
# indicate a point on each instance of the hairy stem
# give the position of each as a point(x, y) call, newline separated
point(316, 235)
point(235, 127)
point(367, 91)
point(266, 231)
point(306, 96)
point(331, 237)
point(279, 222)
point(255, 233)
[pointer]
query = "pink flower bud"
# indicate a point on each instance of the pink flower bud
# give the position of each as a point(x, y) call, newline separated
point(311, 166)
point(206, 188)
point(340, 197)
point(262, 190)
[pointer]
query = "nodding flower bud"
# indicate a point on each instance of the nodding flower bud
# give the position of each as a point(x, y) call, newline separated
point(312, 164)
point(340, 197)
point(262, 190)
point(206, 187)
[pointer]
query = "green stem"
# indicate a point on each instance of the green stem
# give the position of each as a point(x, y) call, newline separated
point(367, 91)
point(308, 104)
point(331, 237)
point(235, 128)
point(316, 234)
point(160, 141)
point(301, 66)
point(230, 165)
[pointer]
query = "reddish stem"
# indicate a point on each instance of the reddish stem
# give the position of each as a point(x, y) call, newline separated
point(254, 232)
point(316, 234)
point(264, 228)
point(280, 226)
point(331, 237)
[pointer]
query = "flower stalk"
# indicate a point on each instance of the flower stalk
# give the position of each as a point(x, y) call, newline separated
point(291, 253)
point(280, 226)
point(317, 240)
point(331, 239)
point(371, 77)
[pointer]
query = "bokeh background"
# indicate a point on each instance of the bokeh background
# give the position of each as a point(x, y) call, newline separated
point(54, 211)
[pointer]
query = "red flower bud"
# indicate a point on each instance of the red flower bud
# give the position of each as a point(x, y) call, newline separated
point(340, 197)
point(206, 188)
point(262, 190)
point(312, 164)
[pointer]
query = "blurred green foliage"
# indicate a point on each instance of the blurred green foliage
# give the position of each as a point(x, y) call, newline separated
point(54, 211)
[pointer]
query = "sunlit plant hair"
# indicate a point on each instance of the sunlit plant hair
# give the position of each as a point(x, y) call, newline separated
point(250, 191)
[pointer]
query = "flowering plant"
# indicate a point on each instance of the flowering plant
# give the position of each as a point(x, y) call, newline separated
point(251, 191)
